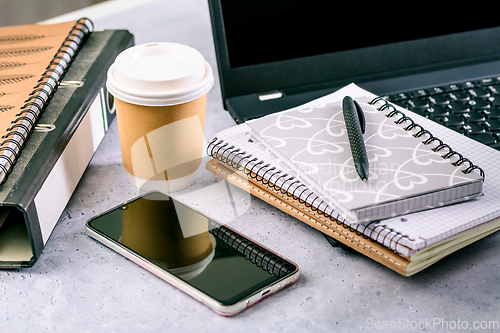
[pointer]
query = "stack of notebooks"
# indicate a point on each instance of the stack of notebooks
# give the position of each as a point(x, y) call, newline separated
point(430, 191)
point(54, 112)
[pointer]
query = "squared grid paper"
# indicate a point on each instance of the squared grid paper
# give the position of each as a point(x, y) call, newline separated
point(413, 232)
point(434, 225)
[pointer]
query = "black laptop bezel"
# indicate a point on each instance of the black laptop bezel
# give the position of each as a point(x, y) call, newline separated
point(360, 65)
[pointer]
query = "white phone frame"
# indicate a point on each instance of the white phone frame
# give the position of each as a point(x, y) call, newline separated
point(224, 310)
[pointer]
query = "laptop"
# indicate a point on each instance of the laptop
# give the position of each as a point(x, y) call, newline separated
point(441, 62)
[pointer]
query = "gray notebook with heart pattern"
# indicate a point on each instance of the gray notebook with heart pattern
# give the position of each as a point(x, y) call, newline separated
point(410, 169)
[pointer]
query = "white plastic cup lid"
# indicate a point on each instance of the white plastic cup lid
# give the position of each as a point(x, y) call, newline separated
point(159, 74)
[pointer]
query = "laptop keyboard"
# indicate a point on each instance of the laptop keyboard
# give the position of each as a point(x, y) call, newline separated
point(471, 108)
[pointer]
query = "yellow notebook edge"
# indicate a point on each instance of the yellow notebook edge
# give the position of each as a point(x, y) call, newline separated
point(339, 232)
point(463, 237)
point(417, 266)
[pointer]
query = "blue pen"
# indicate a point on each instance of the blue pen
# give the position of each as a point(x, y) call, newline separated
point(355, 122)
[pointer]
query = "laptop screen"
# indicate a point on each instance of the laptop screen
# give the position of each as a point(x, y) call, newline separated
point(263, 31)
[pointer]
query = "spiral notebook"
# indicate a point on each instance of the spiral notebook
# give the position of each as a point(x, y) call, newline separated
point(406, 234)
point(410, 169)
point(33, 61)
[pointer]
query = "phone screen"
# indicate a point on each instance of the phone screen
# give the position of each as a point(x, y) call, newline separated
point(205, 254)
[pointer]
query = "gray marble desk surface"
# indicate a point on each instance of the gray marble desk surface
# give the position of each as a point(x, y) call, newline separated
point(79, 285)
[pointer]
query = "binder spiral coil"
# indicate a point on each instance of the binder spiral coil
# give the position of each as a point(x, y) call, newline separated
point(256, 254)
point(393, 112)
point(22, 127)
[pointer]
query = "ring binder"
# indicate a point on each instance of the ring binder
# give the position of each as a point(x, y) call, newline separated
point(47, 171)
point(25, 121)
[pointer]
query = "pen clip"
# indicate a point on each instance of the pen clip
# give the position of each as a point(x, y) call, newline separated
point(361, 117)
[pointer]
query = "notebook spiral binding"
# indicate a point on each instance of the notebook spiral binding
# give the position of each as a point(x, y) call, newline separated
point(288, 185)
point(256, 254)
point(30, 112)
point(393, 112)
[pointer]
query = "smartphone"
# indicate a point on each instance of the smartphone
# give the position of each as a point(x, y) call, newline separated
point(209, 261)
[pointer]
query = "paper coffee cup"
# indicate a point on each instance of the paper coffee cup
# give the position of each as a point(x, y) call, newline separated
point(160, 96)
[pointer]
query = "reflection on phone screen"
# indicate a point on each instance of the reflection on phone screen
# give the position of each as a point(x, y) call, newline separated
point(207, 255)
